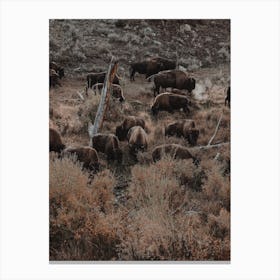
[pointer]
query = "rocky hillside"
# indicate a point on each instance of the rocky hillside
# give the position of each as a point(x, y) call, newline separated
point(86, 45)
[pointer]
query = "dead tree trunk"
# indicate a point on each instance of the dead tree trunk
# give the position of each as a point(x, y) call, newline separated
point(104, 101)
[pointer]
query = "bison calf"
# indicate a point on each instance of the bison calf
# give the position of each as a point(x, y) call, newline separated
point(109, 145)
point(56, 144)
point(185, 128)
point(130, 121)
point(137, 140)
point(169, 102)
point(86, 155)
point(174, 150)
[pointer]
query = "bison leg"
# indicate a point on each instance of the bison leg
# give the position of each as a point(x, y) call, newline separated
point(156, 90)
point(132, 74)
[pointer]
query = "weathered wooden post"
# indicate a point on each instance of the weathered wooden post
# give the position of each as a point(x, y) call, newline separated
point(104, 101)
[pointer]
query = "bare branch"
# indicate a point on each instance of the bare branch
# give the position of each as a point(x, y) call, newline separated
point(210, 146)
point(216, 130)
point(80, 94)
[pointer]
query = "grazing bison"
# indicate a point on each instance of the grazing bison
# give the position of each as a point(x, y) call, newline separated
point(56, 144)
point(137, 140)
point(86, 155)
point(151, 66)
point(53, 78)
point(117, 91)
point(94, 78)
point(174, 150)
point(174, 79)
point(130, 121)
point(58, 69)
point(184, 128)
point(109, 145)
point(227, 99)
point(169, 102)
point(139, 67)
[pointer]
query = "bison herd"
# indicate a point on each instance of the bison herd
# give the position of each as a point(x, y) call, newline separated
point(164, 74)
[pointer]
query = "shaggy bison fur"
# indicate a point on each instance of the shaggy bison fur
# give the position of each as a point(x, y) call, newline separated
point(130, 121)
point(184, 128)
point(109, 145)
point(86, 155)
point(151, 66)
point(137, 140)
point(169, 102)
point(56, 144)
point(173, 79)
point(174, 150)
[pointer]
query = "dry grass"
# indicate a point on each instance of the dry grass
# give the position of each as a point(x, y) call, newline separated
point(169, 210)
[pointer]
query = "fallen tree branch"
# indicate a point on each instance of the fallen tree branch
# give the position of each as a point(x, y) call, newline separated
point(216, 130)
point(81, 95)
point(104, 101)
point(210, 146)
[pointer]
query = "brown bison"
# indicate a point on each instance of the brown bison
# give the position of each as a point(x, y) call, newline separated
point(58, 69)
point(151, 66)
point(137, 140)
point(109, 145)
point(94, 78)
point(227, 99)
point(86, 155)
point(174, 79)
point(56, 144)
point(169, 102)
point(130, 121)
point(53, 78)
point(174, 150)
point(184, 128)
point(117, 91)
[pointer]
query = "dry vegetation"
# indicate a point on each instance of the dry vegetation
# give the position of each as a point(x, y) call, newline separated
point(140, 210)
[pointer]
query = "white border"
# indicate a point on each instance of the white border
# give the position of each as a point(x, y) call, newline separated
point(255, 138)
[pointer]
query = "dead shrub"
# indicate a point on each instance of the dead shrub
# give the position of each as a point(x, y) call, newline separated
point(83, 222)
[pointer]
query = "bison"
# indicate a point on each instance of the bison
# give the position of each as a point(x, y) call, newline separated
point(130, 121)
point(151, 66)
point(86, 155)
point(117, 91)
point(137, 140)
point(94, 78)
point(174, 150)
point(107, 144)
point(58, 69)
point(56, 144)
point(53, 78)
point(169, 102)
point(227, 99)
point(184, 128)
point(174, 79)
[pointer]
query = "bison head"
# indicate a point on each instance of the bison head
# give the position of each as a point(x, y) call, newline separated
point(121, 133)
point(190, 84)
point(192, 136)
